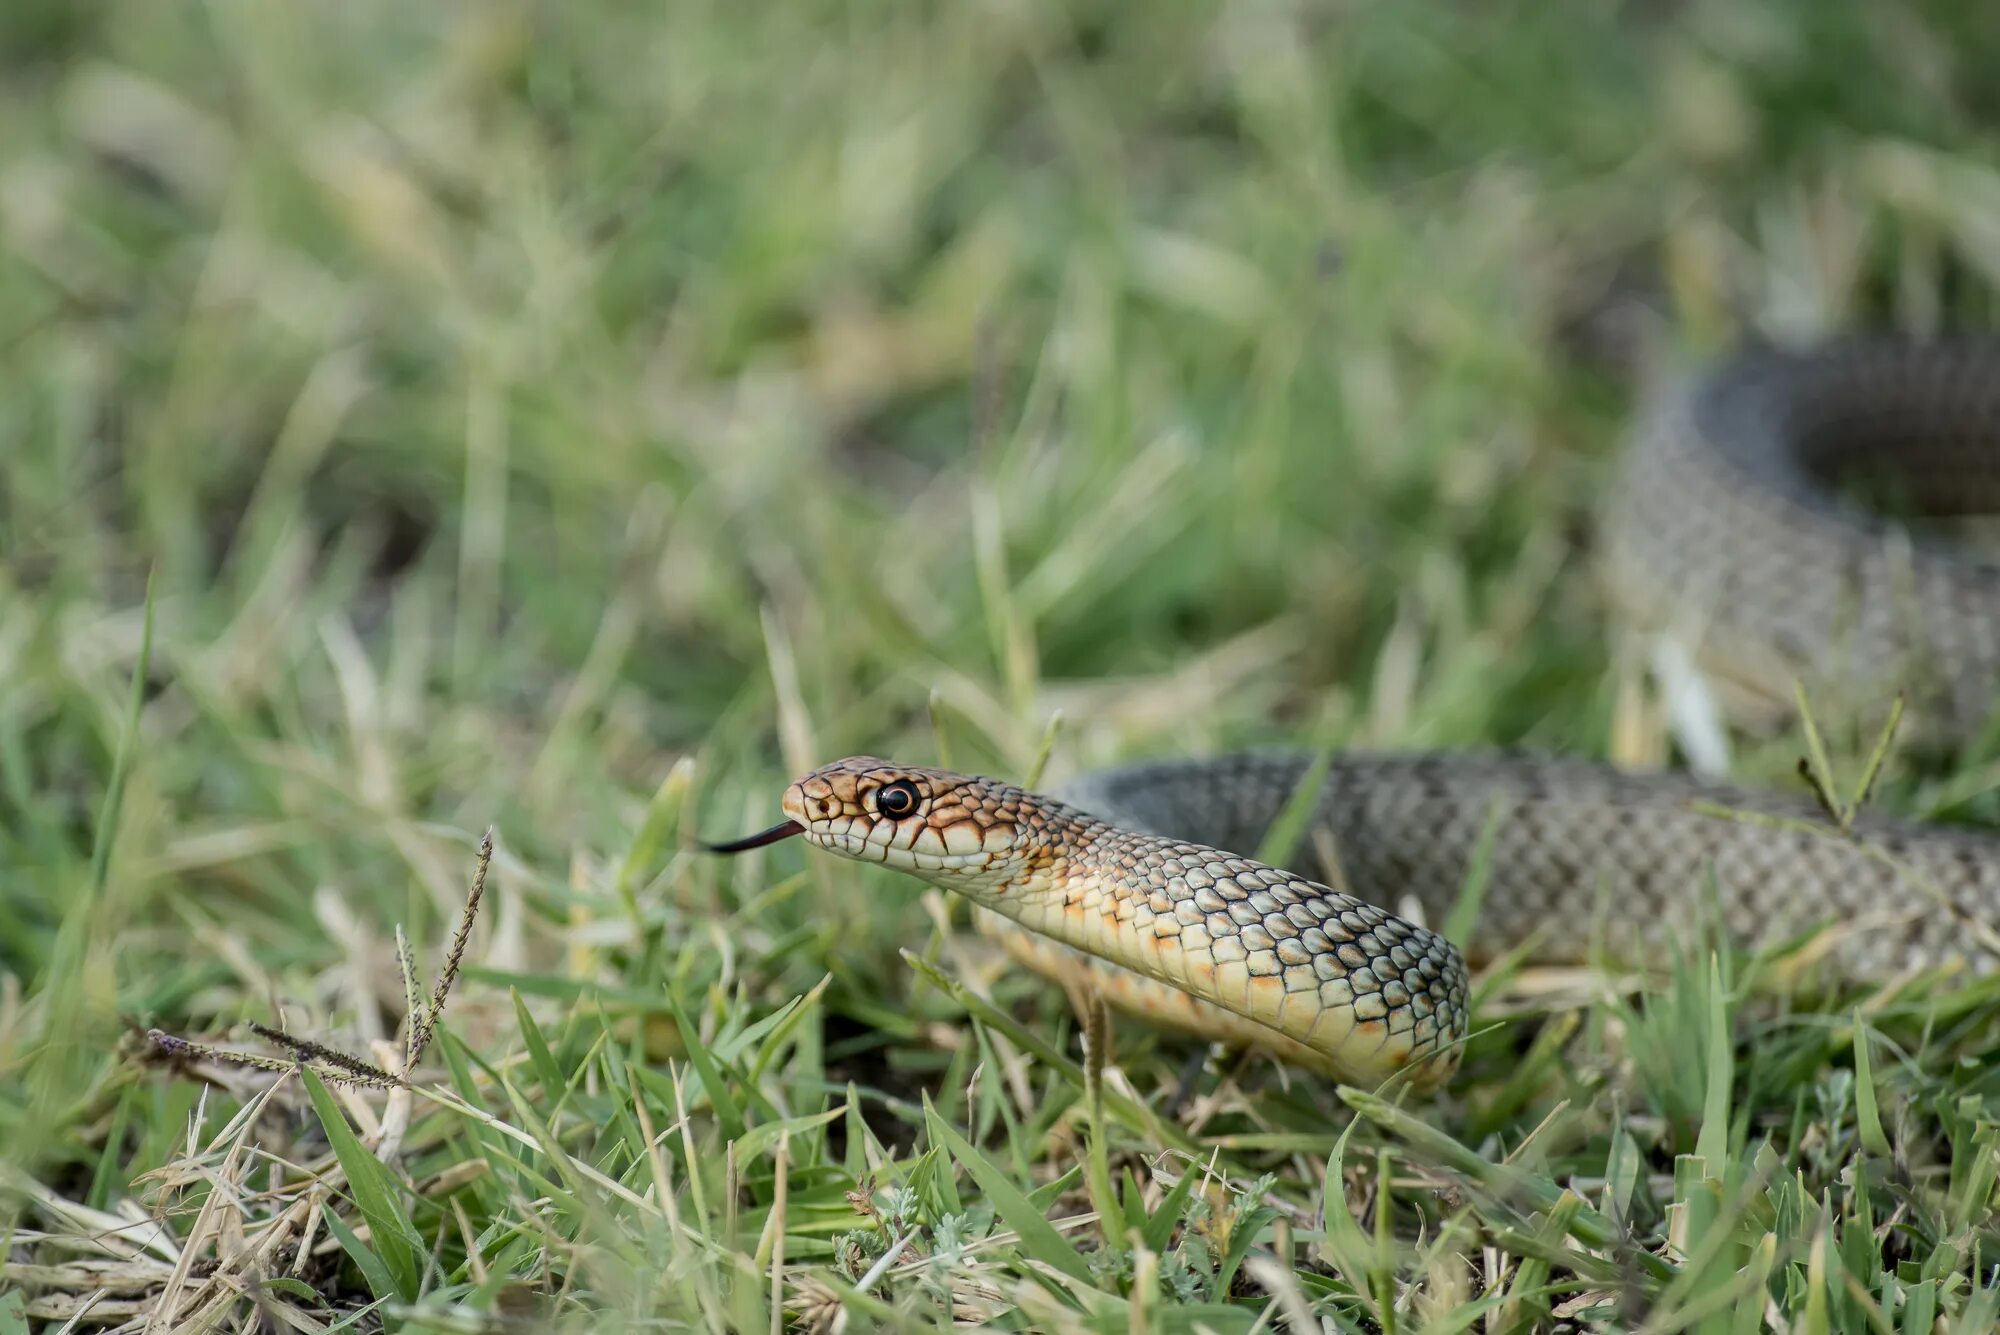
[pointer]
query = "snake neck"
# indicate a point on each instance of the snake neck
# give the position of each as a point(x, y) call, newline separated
point(1083, 881)
point(1058, 850)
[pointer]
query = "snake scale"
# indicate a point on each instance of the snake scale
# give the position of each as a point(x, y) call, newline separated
point(1729, 526)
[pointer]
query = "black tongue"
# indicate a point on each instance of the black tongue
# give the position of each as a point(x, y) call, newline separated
point(749, 841)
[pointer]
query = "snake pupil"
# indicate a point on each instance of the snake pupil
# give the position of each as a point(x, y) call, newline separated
point(897, 799)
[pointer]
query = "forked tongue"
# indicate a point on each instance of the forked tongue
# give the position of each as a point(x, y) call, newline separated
point(784, 830)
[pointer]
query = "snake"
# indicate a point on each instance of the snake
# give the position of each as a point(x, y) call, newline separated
point(1732, 526)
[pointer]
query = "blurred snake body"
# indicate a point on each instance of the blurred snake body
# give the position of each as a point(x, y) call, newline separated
point(1728, 529)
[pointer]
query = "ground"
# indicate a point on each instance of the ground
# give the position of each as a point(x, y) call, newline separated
point(575, 420)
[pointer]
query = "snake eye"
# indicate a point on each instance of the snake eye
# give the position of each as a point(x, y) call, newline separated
point(897, 800)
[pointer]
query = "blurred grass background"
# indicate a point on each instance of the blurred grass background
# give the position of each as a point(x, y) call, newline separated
point(508, 402)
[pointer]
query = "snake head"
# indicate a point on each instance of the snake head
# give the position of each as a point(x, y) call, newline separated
point(951, 829)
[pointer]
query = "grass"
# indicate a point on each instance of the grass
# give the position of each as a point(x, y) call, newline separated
point(574, 420)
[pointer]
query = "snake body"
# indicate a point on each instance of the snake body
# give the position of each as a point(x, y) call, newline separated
point(1735, 522)
point(1727, 525)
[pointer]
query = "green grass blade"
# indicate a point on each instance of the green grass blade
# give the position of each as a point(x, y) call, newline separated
point(1242, 1237)
point(1132, 1204)
point(1864, 787)
point(1749, 1311)
point(786, 1024)
point(1172, 1209)
point(1712, 1141)
point(540, 1060)
point(1867, 1113)
point(760, 1138)
point(1816, 768)
point(373, 1272)
point(1504, 1181)
point(1463, 920)
point(1045, 1196)
point(1096, 1144)
point(727, 1111)
point(1281, 841)
point(1818, 1317)
point(377, 1193)
point(1982, 1312)
point(1134, 1115)
point(662, 812)
point(1039, 1238)
point(1043, 750)
point(1920, 1308)
point(121, 762)
point(1527, 1292)
point(60, 1066)
point(1342, 1242)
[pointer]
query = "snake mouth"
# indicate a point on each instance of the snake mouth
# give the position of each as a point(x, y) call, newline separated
point(782, 830)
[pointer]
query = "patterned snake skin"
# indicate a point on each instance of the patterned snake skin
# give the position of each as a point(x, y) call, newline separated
point(1733, 521)
point(1728, 525)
